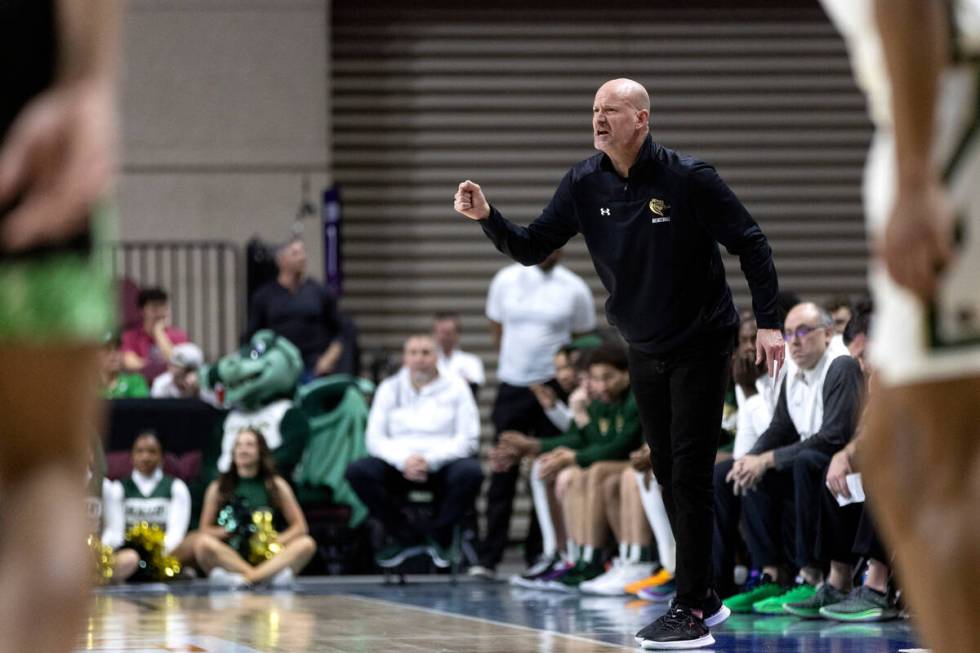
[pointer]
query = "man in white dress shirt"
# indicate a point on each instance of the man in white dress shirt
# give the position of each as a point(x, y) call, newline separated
point(446, 329)
point(781, 477)
point(423, 433)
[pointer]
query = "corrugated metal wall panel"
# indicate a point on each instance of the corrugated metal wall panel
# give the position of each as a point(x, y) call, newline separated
point(428, 93)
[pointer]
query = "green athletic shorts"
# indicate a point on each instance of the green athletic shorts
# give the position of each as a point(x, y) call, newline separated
point(59, 296)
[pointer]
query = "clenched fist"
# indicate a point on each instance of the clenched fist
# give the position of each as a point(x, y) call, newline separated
point(471, 202)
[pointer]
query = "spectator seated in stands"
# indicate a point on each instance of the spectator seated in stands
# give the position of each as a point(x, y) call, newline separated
point(847, 532)
point(571, 372)
point(841, 312)
point(159, 500)
point(659, 586)
point(300, 309)
point(148, 347)
point(552, 396)
point(755, 397)
point(446, 328)
point(574, 466)
point(117, 383)
point(626, 510)
point(554, 400)
point(251, 493)
point(781, 479)
point(181, 380)
point(423, 434)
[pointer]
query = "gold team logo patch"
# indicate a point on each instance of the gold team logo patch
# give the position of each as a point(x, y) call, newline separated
point(657, 207)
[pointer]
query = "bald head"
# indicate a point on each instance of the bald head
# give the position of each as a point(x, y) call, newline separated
point(808, 332)
point(629, 91)
point(620, 121)
point(809, 313)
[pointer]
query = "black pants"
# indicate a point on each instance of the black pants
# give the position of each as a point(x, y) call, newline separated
point(848, 533)
point(680, 401)
point(383, 489)
point(867, 544)
point(838, 529)
point(728, 512)
point(782, 513)
point(515, 409)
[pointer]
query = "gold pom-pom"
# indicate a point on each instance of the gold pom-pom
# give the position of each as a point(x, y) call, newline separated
point(104, 560)
point(263, 544)
point(147, 540)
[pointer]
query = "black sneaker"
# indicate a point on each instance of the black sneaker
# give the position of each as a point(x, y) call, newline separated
point(809, 608)
point(714, 611)
point(678, 629)
point(539, 568)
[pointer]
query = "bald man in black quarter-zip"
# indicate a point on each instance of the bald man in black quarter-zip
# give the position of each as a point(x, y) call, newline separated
point(652, 219)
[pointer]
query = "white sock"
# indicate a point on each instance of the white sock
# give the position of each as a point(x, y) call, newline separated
point(656, 512)
point(572, 550)
point(624, 551)
point(539, 494)
point(635, 552)
point(587, 552)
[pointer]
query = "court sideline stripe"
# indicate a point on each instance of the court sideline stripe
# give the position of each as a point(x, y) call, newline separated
point(442, 613)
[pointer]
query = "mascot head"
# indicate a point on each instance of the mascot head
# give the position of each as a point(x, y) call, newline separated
point(266, 368)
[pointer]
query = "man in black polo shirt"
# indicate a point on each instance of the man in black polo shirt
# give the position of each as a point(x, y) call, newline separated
point(652, 219)
point(300, 310)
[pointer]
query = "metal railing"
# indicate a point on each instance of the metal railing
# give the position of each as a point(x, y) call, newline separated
point(205, 281)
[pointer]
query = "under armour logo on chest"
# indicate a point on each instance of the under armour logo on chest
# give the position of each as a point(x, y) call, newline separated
point(604, 212)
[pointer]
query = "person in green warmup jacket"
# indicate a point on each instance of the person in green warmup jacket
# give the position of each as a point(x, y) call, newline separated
point(116, 382)
point(222, 546)
point(574, 465)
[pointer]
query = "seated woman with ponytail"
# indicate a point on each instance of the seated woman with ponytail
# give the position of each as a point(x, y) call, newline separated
point(236, 544)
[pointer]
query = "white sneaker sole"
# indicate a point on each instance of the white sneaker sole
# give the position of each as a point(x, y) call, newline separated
point(551, 585)
point(437, 559)
point(602, 591)
point(650, 645)
point(718, 617)
point(404, 555)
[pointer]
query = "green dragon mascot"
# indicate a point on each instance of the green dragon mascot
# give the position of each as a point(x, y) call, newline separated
point(259, 382)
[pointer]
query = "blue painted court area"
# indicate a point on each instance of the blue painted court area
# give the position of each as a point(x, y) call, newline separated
point(614, 619)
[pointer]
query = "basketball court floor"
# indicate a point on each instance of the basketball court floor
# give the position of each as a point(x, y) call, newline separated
point(428, 614)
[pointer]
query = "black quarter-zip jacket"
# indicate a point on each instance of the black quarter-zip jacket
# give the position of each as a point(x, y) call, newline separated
point(654, 240)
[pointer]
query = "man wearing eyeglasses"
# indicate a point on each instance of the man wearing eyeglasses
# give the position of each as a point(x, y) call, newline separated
point(781, 478)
